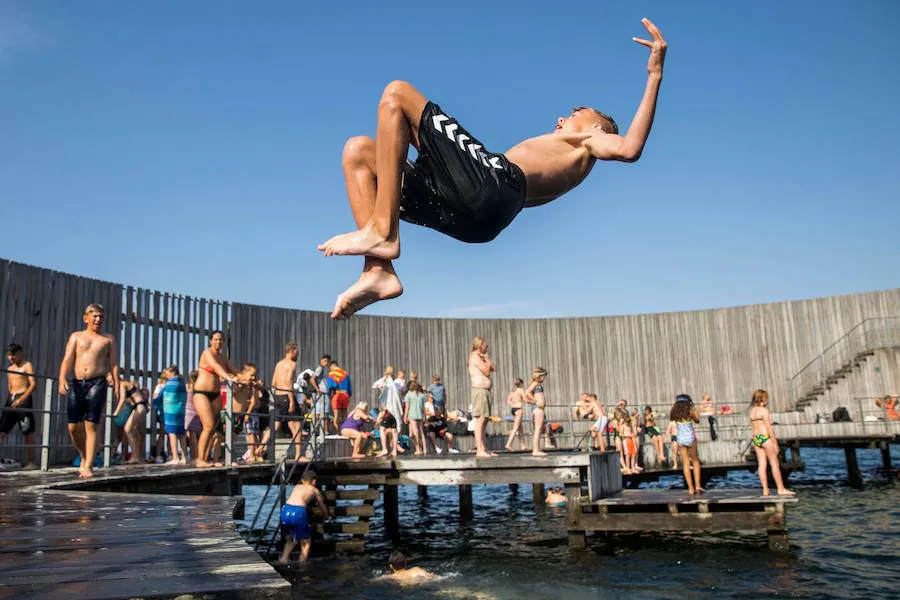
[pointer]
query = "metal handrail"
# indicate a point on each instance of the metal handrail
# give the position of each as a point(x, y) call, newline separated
point(865, 325)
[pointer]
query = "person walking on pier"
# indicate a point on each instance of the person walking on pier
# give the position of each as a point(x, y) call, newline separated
point(213, 367)
point(684, 415)
point(764, 443)
point(92, 357)
point(286, 406)
point(20, 384)
point(535, 395)
point(516, 402)
point(480, 369)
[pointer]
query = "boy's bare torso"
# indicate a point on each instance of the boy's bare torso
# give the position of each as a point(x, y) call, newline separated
point(17, 380)
point(92, 354)
point(305, 494)
point(553, 164)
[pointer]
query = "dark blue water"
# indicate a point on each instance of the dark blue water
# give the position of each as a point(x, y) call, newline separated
point(845, 543)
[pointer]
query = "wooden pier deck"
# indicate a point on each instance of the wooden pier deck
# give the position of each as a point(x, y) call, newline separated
point(678, 511)
point(59, 543)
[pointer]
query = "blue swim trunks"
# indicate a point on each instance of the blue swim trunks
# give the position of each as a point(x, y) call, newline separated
point(295, 522)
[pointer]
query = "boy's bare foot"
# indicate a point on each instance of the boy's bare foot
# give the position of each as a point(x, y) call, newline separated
point(701, 490)
point(171, 463)
point(484, 455)
point(786, 492)
point(538, 453)
point(381, 454)
point(372, 286)
point(202, 464)
point(509, 448)
point(85, 473)
point(365, 242)
point(357, 455)
point(134, 461)
point(765, 492)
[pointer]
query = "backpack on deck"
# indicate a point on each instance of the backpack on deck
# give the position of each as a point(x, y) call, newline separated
point(841, 415)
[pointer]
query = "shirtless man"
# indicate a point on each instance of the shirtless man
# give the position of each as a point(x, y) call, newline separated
point(456, 186)
point(284, 397)
point(94, 357)
point(588, 407)
point(20, 384)
point(480, 369)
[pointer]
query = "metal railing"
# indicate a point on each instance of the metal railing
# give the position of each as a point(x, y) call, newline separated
point(870, 334)
point(53, 407)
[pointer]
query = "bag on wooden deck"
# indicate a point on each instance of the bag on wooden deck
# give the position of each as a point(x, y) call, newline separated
point(841, 415)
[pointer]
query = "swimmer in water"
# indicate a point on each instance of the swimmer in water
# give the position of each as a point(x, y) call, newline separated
point(555, 497)
point(406, 575)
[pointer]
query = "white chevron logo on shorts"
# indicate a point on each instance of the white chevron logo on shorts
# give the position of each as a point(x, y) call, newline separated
point(462, 140)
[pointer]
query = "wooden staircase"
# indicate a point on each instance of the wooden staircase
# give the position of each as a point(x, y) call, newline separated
point(842, 358)
point(350, 510)
point(833, 379)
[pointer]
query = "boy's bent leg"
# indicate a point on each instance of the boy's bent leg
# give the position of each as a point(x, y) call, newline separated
point(305, 546)
point(378, 281)
point(399, 111)
point(289, 544)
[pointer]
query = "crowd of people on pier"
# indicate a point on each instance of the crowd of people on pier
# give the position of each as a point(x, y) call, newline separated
point(407, 416)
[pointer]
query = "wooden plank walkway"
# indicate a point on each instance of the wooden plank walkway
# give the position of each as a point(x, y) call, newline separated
point(721, 496)
point(61, 543)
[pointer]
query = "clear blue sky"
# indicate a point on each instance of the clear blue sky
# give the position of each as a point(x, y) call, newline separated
point(195, 147)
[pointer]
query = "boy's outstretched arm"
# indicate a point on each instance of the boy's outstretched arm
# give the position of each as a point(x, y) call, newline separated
point(628, 148)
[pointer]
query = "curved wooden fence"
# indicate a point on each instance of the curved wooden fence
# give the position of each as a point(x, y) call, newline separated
point(646, 359)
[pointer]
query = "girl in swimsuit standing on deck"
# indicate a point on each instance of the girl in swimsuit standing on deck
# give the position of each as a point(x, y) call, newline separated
point(516, 400)
point(764, 443)
point(207, 389)
point(684, 415)
point(535, 395)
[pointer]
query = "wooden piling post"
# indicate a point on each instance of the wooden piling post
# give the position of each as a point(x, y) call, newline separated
point(391, 510)
point(853, 471)
point(537, 489)
point(465, 502)
point(514, 489)
point(576, 536)
point(423, 491)
point(886, 456)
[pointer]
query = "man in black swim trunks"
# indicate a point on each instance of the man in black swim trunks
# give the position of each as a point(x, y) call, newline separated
point(458, 187)
point(20, 384)
point(93, 356)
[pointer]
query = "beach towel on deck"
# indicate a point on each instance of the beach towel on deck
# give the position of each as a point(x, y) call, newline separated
point(389, 397)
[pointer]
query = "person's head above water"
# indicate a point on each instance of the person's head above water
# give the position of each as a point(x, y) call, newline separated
point(584, 118)
point(397, 561)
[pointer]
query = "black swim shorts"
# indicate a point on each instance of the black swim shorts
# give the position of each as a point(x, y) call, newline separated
point(456, 186)
point(10, 416)
point(86, 399)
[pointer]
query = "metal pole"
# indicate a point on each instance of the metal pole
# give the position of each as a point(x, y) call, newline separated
point(229, 426)
point(107, 434)
point(45, 425)
point(272, 416)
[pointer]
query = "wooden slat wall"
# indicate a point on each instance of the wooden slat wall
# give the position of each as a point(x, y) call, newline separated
point(645, 358)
